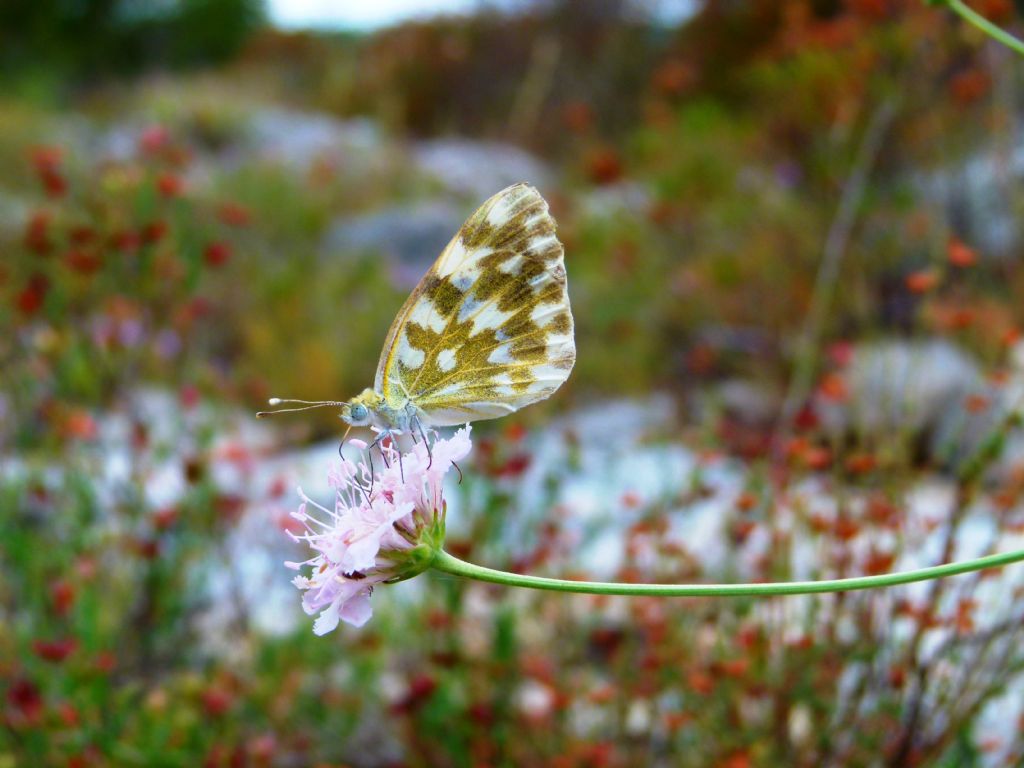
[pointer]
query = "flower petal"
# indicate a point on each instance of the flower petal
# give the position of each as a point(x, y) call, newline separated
point(357, 611)
point(327, 620)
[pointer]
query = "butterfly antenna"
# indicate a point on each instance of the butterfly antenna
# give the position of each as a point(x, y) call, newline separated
point(305, 405)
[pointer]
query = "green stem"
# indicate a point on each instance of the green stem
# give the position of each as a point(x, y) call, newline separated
point(973, 17)
point(450, 564)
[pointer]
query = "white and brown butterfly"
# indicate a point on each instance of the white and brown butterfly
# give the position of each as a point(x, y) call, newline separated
point(487, 331)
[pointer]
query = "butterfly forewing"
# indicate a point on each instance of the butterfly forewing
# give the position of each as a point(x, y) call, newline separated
point(488, 329)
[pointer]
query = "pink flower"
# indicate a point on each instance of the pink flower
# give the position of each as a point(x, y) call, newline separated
point(386, 526)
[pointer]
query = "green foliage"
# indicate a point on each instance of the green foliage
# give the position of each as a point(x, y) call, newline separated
point(74, 43)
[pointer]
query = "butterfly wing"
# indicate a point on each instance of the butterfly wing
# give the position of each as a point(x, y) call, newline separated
point(488, 329)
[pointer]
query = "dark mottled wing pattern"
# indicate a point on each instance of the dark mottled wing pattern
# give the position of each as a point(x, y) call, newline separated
point(488, 329)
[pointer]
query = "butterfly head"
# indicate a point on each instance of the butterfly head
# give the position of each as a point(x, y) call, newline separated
point(360, 410)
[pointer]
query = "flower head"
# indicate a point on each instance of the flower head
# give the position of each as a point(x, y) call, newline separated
point(386, 526)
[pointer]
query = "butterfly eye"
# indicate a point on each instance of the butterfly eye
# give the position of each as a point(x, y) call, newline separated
point(358, 412)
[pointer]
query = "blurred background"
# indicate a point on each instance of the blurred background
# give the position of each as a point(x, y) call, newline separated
point(794, 244)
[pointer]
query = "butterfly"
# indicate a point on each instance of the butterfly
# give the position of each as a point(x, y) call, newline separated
point(487, 331)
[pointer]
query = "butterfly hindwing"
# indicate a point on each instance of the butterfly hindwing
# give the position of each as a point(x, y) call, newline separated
point(488, 329)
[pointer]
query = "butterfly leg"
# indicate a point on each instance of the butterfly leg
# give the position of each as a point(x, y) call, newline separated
point(378, 444)
point(369, 459)
point(418, 424)
point(426, 441)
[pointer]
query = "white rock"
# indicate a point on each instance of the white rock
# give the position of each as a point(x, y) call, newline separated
point(478, 169)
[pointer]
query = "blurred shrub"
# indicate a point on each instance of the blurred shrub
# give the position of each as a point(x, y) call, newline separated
point(75, 43)
point(105, 287)
point(491, 73)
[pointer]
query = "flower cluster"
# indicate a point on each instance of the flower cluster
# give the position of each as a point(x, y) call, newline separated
point(386, 526)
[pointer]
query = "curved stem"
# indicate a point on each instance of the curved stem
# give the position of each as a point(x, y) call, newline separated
point(973, 17)
point(451, 564)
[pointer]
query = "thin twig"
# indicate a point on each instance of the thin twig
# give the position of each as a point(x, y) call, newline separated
point(828, 271)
